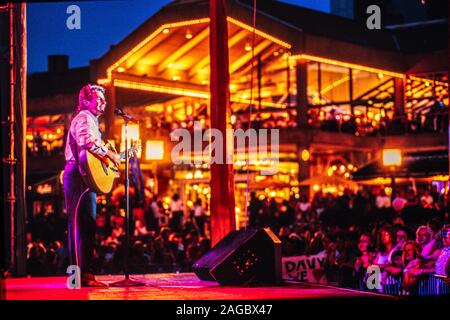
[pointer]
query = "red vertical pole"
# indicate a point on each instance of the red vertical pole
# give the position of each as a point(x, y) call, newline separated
point(350, 90)
point(109, 113)
point(399, 96)
point(222, 181)
point(399, 102)
point(21, 123)
point(12, 122)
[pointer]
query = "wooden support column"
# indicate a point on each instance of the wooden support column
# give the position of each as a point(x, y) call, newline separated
point(288, 83)
point(259, 82)
point(319, 80)
point(399, 96)
point(302, 98)
point(109, 112)
point(222, 181)
point(350, 89)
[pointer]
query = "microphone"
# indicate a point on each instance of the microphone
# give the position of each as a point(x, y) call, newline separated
point(121, 113)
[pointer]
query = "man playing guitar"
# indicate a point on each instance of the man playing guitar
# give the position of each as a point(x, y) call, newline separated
point(81, 202)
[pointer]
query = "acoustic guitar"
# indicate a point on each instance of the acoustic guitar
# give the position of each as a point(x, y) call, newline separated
point(100, 172)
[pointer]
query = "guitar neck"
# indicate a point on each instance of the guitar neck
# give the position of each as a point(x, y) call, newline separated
point(130, 150)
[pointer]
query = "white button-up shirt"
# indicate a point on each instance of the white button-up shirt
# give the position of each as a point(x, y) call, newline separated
point(85, 131)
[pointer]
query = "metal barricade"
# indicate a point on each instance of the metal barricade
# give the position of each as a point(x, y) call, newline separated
point(393, 286)
point(431, 285)
point(427, 285)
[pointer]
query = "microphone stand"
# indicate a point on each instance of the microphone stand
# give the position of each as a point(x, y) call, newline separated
point(127, 282)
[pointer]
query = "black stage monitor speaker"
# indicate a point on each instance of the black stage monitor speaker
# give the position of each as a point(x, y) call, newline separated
point(241, 257)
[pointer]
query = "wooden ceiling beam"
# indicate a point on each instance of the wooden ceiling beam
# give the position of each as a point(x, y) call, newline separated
point(248, 56)
point(238, 36)
point(246, 69)
point(131, 61)
point(184, 49)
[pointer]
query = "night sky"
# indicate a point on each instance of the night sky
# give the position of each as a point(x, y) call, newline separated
point(103, 23)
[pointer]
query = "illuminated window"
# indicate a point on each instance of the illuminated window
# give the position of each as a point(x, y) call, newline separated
point(154, 150)
point(392, 157)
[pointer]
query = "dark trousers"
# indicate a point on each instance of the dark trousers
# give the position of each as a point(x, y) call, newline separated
point(175, 223)
point(81, 208)
point(200, 221)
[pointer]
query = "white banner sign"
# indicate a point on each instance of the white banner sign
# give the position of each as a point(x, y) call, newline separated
point(305, 268)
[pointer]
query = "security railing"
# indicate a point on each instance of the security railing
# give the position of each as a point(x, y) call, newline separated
point(427, 285)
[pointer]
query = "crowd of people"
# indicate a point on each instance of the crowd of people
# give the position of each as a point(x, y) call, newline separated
point(435, 120)
point(162, 240)
point(406, 236)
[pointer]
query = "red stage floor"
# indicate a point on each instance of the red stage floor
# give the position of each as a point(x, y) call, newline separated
point(184, 286)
